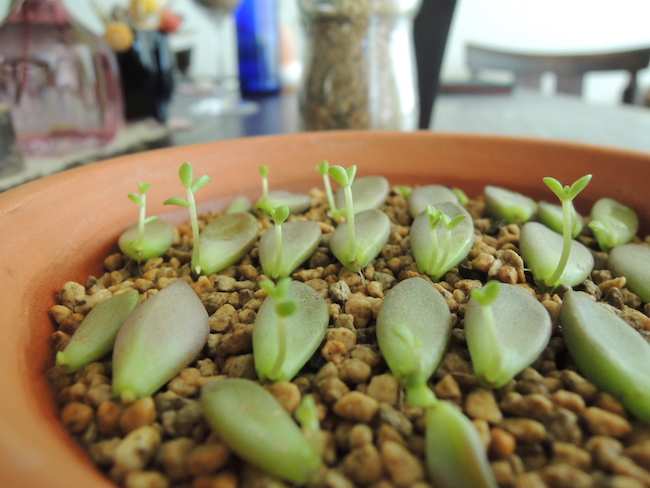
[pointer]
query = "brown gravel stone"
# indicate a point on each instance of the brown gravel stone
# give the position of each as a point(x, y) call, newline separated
point(384, 388)
point(602, 422)
point(145, 479)
point(524, 430)
point(403, 467)
point(207, 458)
point(569, 400)
point(288, 394)
point(565, 476)
point(363, 465)
point(447, 389)
point(502, 443)
point(604, 450)
point(481, 404)
point(356, 406)
point(76, 417)
point(141, 412)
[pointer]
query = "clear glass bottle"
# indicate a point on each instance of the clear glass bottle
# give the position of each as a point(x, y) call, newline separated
point(60, 79)
point(360, 70)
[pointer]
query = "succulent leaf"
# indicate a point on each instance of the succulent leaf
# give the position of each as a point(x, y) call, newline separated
point(505, 333)
point(372, 230)
point(633, 262)
point(613, 223)
point(299, 241)
point(240, 205)
point(157, 238)
point(508, 205)
point(550, 214)
point(282, 345)
point(413, 330)
point(226, 240)
point(429, 195)
point(296, 202)
point(367, 192)
point(541, 249)
point(96, 335)
point(455, 455)
point(608, 351)
point(160, 338)
point(256, 427)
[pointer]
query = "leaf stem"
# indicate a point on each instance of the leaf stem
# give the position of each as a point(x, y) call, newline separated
point(195, 231)
point(350, 211)
point(141, 220)
point(567, 226)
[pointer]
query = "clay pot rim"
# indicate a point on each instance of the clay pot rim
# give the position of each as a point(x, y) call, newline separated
point(84, 209)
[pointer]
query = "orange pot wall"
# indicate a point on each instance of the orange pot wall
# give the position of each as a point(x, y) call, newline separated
point(61, 227)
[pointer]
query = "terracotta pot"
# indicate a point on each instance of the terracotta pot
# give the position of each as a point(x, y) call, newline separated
point(61, 227)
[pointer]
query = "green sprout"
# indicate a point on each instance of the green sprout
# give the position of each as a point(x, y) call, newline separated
point(150, 237)
point(323, 170)
point(289, 327)
point(186, 175)
point(613, 223)
point(307, 415)
point(566, 195)
point(345, 177)
point(441, 238)
point(279, 216)
point(485, 297)
point(297, 202)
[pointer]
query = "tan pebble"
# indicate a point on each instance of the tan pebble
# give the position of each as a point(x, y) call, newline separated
point(375, 289)
point(502, 443)
point(607, 285)
point(287, 394)
point(59, 340)
point(240, 367)
point(574, 382)
point(353, 371)
point(207, 458)
point(507, 274)
point(248, 271)
point(567, 453)
point(384, 388)
point(524, 430)
point(71, 294)
point(363, 465)
point(202, 285)
point(386, 432)
point(366, 354)
point(402, 466)
point(481, 404)
point(359, 435)
point(640, 453)
point(603, 450)
point(535, 406)
point(563, 425)
point(482, 262)
point(529, 480)
point(483, 429)
point(503, 473)
point(141, 412)
point(343, 335)
point(565, 476)
point(396, 419)
point(224, 283)
point(226, 479)
point(618, 481)
point(334, 351)
point(103, 452)
point(610, 403)
point(135, 450)
point(331, 389)
point(360, 307)
point(344, 320)
point(113, 262)
point(60, 313)
point(71, 323)
point(172, 457)
point(602, 422)
point(447, 389)
point(626, 467)
point(145, 479)
point(76, 417)
point(357, 407)
point(569, 400)
point(335, 479)
point(108, 419)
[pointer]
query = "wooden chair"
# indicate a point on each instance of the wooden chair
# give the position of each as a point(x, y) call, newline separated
point(569, 68)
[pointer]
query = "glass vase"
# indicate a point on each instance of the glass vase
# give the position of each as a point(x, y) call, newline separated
point(60, 80)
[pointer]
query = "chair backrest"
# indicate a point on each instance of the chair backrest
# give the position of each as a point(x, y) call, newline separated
point(569, 68)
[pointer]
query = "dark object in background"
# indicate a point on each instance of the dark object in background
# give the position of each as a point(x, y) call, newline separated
point(11, 159)
point(146, 71)
point(258, 47)
point(430, 31)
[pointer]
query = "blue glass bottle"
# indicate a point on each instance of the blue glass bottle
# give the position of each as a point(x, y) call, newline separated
point(258, 46)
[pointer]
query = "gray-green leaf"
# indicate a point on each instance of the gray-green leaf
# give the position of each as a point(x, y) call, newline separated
point(299, 241)
point(633, 262)
point(282, 346)
point(297, 202)
point(509, 205)
point(157, 239)
point(96, 335)
point(550, 214)
point(226, 240)
point(613, 223)
point(256, 427)
point(507, 336)
point(541, 249)
point(608, 351)
point(367, 192)
point(429, 195)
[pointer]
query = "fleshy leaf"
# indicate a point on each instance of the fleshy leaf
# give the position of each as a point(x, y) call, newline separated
point(372, 230)
point(413, 331)
point(450, 246)
point(255, 426)
point(511, 206)
point(160, 338)
point(179, 201)
point(608, 351)
point(240, 204)
point(633, 262)
point(429, 195)
point(299, 241)
point(96, 335)
point(505, 336)
point(282, 345)
point(157, 239)
point(613, 223)
point(367, 192)
point(297, 202)
point(541, 249)
point(455, 455)
point(226, 240)
point(550, 214)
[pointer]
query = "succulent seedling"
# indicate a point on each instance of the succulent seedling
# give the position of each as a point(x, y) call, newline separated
point(609, 352)
point(540, 246)
point(296, 202)
point(367, 192)
point(413, 331)
point(551, 215)
point(359, 239)
point(186, 175)
point(423, 196)
point(323, 170)
point(239, 205)
point(508, 205)
point(288, 245)
point(506, 329)
point(226, 240)
point(255, 426)
point(613, 223)
point(157, 340)
point(96, 335)
point(150, 237)
point(289, 327)
point(441, 238)
point(633, 262)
